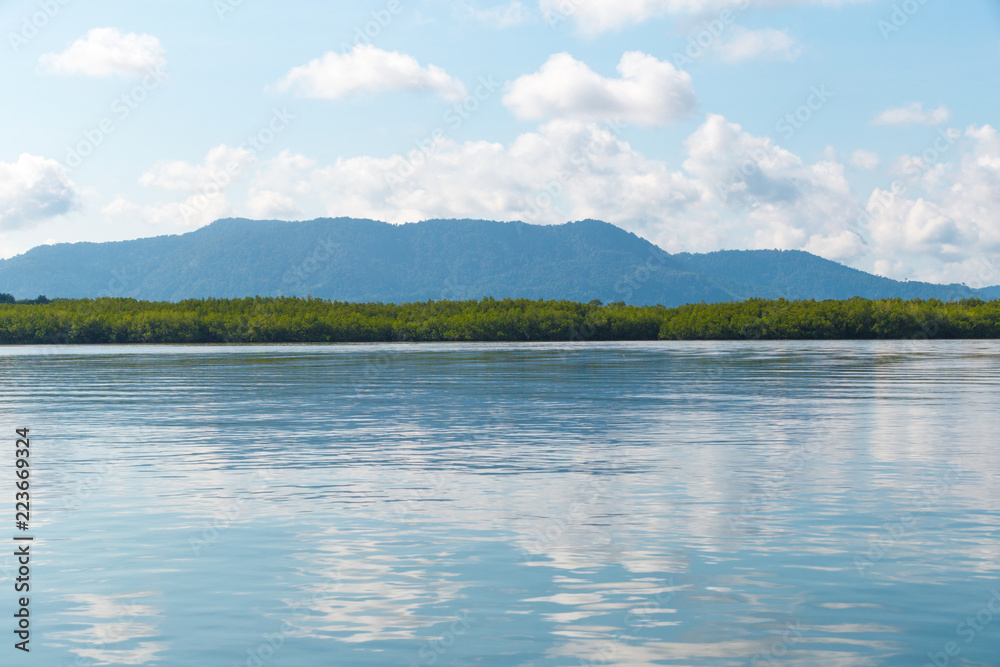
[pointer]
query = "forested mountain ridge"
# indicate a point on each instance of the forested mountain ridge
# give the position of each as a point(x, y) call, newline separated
point(354, 260)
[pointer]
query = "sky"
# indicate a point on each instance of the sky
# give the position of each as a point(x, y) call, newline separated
point(859, 130)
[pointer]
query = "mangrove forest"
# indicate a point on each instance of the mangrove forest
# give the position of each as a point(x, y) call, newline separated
point(308, 320)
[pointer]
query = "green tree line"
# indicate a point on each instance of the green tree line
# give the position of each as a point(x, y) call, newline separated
point(295, 320)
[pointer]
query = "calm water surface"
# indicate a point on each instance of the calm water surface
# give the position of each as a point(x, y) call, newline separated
point(605, 504)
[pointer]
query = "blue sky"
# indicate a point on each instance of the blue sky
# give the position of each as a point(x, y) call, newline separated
point(861, 131)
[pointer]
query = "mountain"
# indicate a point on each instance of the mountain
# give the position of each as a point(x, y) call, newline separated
point(794, 274)
point(347, 259)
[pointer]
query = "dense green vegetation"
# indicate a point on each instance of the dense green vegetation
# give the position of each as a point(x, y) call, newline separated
point(9, 298)
point(289, 320)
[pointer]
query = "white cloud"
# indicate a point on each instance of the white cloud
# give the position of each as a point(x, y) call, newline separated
point(734, 190)
point(203, 185)
point(368, 69)
point(892, 269)
point(768, 44)
point(913, 114)
point(271, 205)
point(596, 16)
point(221, 166)
point(193, 212)
point(919, 227)
point(279, 186)
point(568, 169)
point(34, 189)
point(863, 159)
point(107, 52)
point(786, 203)
point(650, 92)
point(499, 17)
point(945, 212)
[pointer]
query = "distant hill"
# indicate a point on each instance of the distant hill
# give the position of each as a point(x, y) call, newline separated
point(794, 274)
point(363, 260)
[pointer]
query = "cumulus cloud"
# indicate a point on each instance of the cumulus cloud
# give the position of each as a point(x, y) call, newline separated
point(34, 189)
point(596, 16)
point(193, 212)
point(913, 114)
point(271, 205)
point(944, 211)
point(919, 227)
point(568, 169)
point(767, 44)
point(734, 189)
point(565, 170)
point(106, 52)
point(204, 187)
point(499, 17)
point(220, 167)
point(650, 92)
point(368, 69)
point(863, 159)
point(789, 204)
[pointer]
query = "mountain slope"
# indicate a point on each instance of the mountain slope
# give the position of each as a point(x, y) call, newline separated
point(362, 260)
point(794, 274)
